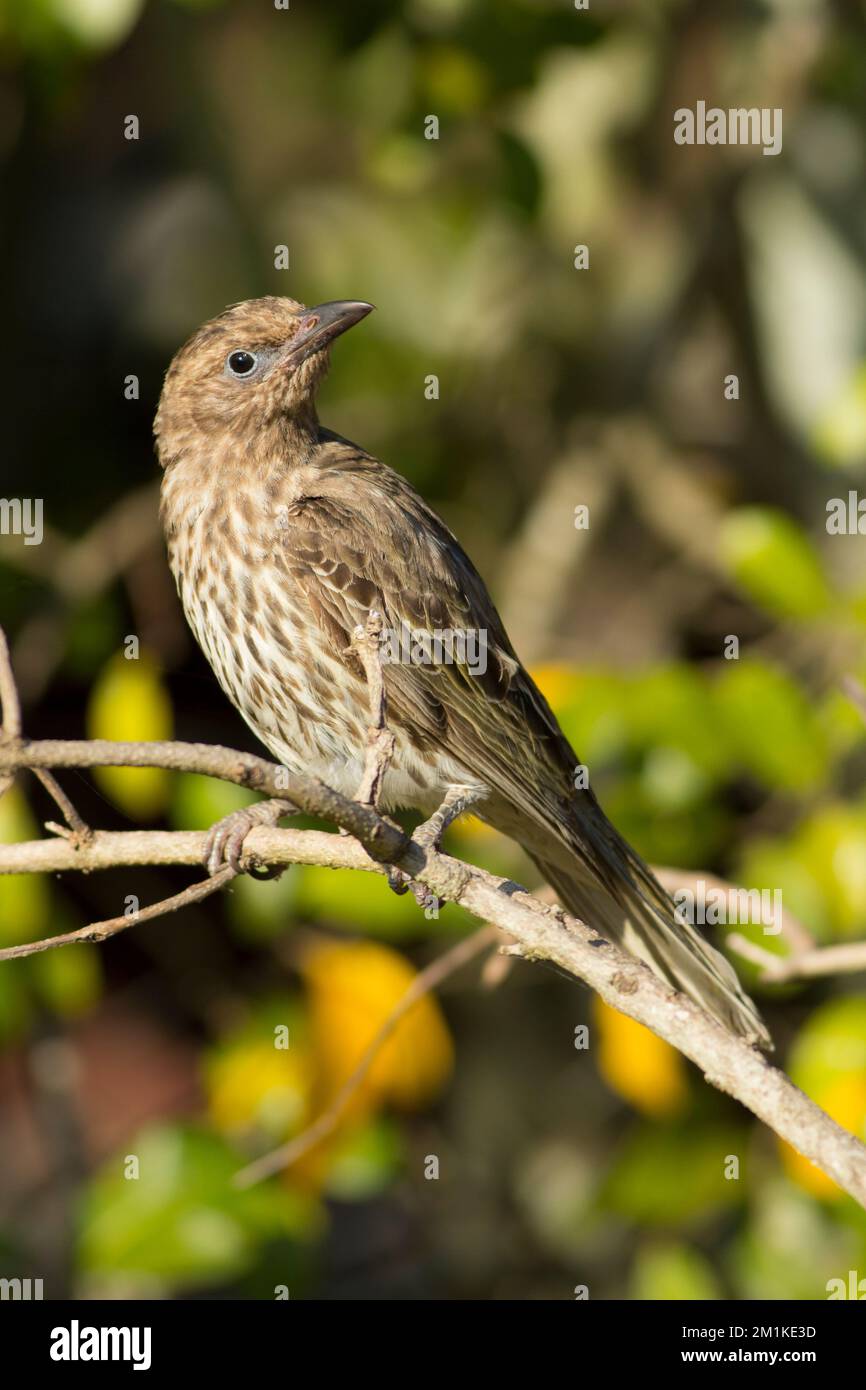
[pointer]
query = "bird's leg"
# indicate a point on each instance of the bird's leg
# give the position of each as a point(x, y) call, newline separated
point(458, 801)
point(366, 645)
point(429, 836)
point(225, 840)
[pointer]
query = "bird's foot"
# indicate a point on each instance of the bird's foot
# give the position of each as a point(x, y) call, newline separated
point(225, 840)
point(429, 836)
point(400, 882)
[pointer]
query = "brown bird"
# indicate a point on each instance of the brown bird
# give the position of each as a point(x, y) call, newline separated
point(283, 537)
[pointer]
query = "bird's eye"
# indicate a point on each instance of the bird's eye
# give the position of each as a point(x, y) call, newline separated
point(241, 363)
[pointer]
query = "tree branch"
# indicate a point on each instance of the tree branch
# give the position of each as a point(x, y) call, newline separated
point(538, 931)
point(10, 728)
point(101, 931)
point(845, 959)
point(385, 842)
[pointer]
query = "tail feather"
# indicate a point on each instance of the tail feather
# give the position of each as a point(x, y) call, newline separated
point(634, 910)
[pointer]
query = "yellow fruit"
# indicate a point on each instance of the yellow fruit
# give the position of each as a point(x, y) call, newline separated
point(256, 1085)
point(129, 703)
point(353, 987)
point(25, 899)
point(640, 1067)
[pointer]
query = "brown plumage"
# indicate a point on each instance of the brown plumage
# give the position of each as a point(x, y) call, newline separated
point(283, 536)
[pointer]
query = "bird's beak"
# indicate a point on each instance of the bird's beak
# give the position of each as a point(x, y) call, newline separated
point(321, 325)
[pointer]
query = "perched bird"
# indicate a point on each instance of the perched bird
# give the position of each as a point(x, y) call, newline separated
point(283, 537)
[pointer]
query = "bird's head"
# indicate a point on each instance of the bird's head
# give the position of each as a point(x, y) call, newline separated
point(259, 361)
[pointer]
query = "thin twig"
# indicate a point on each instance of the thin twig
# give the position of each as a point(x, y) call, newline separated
point(540, 932)
point(384, 841)
point(78, 829)
point(9, 692)
point(10, 703)
point(845, 959)
point(424, 983)
point(11, 725)
point(101, 931)
point(543, 933)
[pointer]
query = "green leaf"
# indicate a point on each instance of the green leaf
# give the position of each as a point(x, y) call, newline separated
point(773, 560)
point(831, 1046)
point(778, 863)
point(672, 1271)
point(69, 980)
point(594, 711)
point(199, 802)
point(365, 1161)
point(25, 899)
point(839, 437)
point(770, 727)
point(181, 1221)
point(791, 1247)
point(668, 1175)
point(130, 700)
point(264, 909)
point(672, 707)
point(357, 900)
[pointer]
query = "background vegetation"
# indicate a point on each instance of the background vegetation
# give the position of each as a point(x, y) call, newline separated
point(558, 387)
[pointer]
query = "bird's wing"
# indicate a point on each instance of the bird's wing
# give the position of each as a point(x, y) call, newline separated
point(392, 553)
point(365, 541)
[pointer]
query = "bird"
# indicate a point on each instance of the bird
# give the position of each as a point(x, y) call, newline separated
point(283, 537)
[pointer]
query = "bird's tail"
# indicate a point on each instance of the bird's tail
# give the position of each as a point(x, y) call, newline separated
point(627, 904)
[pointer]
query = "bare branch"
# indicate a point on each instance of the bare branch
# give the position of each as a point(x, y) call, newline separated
point(845, 959)
point(11, 705)
point(101, 931)
point(77, 828)
point(538, 931)
point(9, 693)
point(541, 932)
point(384, 841)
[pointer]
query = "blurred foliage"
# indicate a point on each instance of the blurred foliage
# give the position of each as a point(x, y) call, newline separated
point(642, 1068)
point(129, 701)
point(354, 988)
point(558, 387)
point(180, 1222)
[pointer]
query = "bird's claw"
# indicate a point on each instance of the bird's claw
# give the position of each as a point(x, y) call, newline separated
point(224, 845)
point(400, 882)
point(428, 836)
